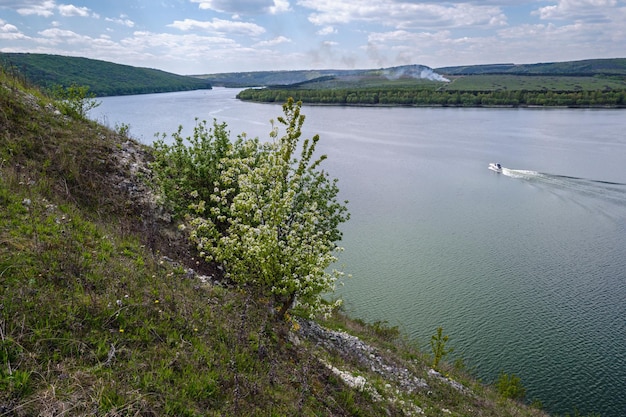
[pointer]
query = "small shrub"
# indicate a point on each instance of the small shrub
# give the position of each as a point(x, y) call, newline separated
point(75, 100)
point(384, 331)
point(122, 129)
point(510, 386)
point(438, 346)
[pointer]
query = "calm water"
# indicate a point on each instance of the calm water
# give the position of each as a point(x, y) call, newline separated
point(525, 270)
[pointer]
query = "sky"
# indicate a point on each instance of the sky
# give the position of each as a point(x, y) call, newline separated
point(213, 36)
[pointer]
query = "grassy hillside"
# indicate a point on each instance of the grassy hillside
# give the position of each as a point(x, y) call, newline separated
point(101, 313)
point(103, 78)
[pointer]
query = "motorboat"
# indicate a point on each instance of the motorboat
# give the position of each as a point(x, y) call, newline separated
point(495, 166)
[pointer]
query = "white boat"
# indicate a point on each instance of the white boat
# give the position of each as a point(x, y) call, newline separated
point(495, 166)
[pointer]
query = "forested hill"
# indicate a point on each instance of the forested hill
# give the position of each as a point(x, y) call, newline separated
point(587, 67)
point(103, 78)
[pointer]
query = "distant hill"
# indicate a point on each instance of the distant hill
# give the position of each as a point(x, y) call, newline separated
point(588, 67)
point(315, 79)
point(263, 78)
point(322, 78)
point(103, 78)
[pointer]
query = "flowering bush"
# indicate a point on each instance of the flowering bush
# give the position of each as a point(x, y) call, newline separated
point(271, 216)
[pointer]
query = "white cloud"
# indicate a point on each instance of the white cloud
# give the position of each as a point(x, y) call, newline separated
point(280, 6)
point(208, 5)
point(71, 10)
point(122, 20)
point(404, 14)
point(326, 30)
point(46, 8)
point(219, 26)
point(145, 39)
point(244, 7)
point(586, 10)
point(10, 32)
point(183, 54)
point(38, 8)
point(272, 42)
point(57, 36)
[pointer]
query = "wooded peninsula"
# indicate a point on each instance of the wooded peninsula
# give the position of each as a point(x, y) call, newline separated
point(592, 83)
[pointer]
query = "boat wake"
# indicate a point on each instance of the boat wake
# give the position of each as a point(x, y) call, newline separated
point(581, 190)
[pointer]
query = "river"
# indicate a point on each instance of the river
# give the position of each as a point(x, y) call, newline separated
point(525, 270)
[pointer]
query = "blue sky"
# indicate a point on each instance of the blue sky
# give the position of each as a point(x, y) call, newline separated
point(210, 36)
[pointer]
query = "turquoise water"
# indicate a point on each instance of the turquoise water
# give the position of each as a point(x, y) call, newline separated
point(525, 270)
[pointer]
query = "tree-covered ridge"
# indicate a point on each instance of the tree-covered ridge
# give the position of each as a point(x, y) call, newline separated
point(103, 78)
point(439, 97)
point(587, 67)
point(541, 83)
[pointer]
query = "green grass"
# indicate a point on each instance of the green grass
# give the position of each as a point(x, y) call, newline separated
point(91, 319)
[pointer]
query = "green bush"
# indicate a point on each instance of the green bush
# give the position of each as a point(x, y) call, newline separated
point(190, 164)
point(272, 218)
point(438, 345)
point(75, 100)
point(510, 386)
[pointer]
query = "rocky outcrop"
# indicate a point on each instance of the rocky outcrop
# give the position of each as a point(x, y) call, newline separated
point(354, 349)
